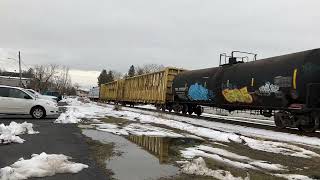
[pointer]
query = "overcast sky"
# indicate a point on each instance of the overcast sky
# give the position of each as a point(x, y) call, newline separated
point(89, 35)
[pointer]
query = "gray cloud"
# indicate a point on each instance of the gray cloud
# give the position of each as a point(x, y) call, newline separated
point(91, 35)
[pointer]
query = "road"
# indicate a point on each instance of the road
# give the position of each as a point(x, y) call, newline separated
point(53, 138)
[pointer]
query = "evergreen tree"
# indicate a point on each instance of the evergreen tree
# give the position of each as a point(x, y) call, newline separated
point(110, 76)
point(103, 77)
point(131, 71)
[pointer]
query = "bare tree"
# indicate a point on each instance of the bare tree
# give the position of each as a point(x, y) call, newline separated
point(117, 75)
point(149, 68)
point(62, 80)
point(76, 85)
point(43, 75)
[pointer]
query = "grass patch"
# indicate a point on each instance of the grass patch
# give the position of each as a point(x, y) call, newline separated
point(114, 120)
point(101, 152)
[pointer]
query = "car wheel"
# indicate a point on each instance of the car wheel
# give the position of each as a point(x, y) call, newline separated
point(38, 112)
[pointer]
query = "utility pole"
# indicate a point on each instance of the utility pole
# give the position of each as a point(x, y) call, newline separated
point(20, 69)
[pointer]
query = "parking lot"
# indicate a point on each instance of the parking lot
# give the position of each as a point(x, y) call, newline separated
point(53, 139)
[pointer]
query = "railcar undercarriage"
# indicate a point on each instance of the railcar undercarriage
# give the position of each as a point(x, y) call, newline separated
point(308, 122)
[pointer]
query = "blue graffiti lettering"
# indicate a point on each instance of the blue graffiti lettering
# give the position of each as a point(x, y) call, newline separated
point(198, 92)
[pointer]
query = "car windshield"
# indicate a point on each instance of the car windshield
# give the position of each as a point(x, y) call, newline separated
point(33, 92)
point(30, 93)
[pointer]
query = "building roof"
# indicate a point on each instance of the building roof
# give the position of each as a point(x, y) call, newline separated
point(10, 77)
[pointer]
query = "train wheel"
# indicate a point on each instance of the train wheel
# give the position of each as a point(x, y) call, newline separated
point(278, 120)
point(185, 109)
point(163, 107)
point(177, 108)
point(190, 110)
point(312, 126)
point(198, 111)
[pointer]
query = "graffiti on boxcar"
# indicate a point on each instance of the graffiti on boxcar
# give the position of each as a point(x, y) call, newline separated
point(199, 93)
point(237, 95)
point(267, 89)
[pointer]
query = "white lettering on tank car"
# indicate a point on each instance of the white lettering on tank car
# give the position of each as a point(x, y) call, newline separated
point(268, 88)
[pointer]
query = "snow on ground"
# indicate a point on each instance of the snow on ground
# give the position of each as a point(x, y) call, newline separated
point(231, 128)
point(77, 110)
point(229, 158)
point(235, 114)
point(293, 176)
point(148, 106)
point(141, 129)
point(9, 134)
point(40, 165)
point(198, 167)
point(207, 129)
point(279, 147)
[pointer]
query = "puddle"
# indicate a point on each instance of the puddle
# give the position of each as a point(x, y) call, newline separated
point(158, 146)
point(135, 163)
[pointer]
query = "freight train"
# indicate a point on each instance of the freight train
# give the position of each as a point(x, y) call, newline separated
point(286, 87)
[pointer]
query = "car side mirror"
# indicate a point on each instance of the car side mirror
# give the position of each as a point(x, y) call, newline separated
point(37, 96)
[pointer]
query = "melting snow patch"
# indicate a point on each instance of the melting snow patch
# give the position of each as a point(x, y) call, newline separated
point(9, 134)
point(293, 176)
point(112, 128)
point(221, 155)
point(279, 147)
point(198, 167)
point(138, 130)
point(40, 165)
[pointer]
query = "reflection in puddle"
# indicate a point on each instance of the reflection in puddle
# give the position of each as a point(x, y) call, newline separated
point(158, 146)
point(134, 163)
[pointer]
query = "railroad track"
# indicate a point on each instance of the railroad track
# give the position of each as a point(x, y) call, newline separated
point(241, 121)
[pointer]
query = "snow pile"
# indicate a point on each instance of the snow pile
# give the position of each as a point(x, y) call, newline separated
point(72, 101)
point(68, 117)
point(40, 165)
point(9, 134)
point(222, 156)
point(77, 110)
point(198, 167)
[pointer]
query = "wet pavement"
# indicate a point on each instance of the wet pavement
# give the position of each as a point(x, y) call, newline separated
point(53, 139)
point(133, 162)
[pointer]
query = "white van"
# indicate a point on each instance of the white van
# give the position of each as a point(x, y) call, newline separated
point(15, 100)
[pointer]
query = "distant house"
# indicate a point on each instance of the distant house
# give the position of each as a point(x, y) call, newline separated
point(82, 93)
point(14, 81)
